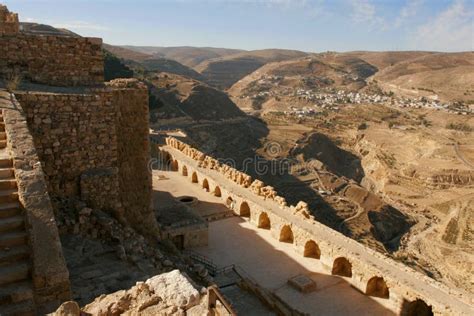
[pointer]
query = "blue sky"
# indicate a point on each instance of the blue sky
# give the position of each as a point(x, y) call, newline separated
point(308, 25)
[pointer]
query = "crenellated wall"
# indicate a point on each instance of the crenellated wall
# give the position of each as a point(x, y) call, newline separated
point(367, 270)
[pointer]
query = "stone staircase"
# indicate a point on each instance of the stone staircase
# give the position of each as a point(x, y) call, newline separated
point(16, 289)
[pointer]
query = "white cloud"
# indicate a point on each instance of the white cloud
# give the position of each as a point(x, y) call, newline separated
point(409, 10)
point(364, 11)
point(451, 30)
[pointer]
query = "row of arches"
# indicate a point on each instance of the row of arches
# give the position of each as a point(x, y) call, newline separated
point(376, 286)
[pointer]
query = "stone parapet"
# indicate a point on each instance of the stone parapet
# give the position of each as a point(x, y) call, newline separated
point(52, 60)
point(406, 288)
point(50, 275)
point(9, 23)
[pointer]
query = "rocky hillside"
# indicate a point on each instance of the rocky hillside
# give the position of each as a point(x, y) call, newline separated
point(223, 72)
point(449, 76)
point(181, 96)
point(125, 53)
point(186, 55)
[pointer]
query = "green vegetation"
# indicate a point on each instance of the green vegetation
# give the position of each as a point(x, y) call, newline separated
point(114, 68)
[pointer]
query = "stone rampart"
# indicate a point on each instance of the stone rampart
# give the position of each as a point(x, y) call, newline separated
point(94, 145)
point(52, 60)
point(49, 272)
point(9, 23)
point(403, 290)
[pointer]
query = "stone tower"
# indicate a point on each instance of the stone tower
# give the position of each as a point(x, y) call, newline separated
point(9, 24)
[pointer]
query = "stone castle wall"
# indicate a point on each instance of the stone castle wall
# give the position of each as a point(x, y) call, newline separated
point(266, 210)
point(9, 23)
point(52, 60)
point(95, 146)
point(50, 275)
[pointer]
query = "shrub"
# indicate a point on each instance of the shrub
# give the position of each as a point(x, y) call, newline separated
point(463, 127)
point(362, 126)
point(12, 82)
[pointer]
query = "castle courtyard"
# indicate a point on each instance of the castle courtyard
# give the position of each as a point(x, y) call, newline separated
point(266, 260)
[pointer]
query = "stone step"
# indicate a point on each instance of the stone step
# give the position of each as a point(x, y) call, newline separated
point(6, 163)
point(14, 254)
point(11, 223)
point(25, 308)
point(6, 173)
point(8, 196)
point(16, 292)
point(12, 239)
point(3, 143)
point(3, 135)
point(16, 272)
point(6, 184)
point(2, 127)
point(10, 209)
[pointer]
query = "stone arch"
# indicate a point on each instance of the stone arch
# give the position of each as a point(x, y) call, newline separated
point(205, 185)
point(194, 177)
point(311, 250)
point(286, 234)
point(264, 221)
point(244, 209)
point(418, 307)
point(342, 267)
point(185, 171)
point(229, 202)
point(217, 191)
point(175, 165)
point(377, 287)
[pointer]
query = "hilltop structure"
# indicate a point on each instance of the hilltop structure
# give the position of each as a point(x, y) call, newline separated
point(67, 137)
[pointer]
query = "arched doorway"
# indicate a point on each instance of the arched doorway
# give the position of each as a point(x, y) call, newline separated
point(311, 250)
point(217, 192)
point(342, 267)
point(229, 203)
point(194, 178)
point(175, 165)
point(244, 210)
point(263, 221)
point(377, 287)
point(418, 308)
point(185, 171)
point(286, 234)
point(205, 185)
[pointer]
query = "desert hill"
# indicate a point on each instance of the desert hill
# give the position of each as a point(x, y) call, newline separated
point(385, 59)
point(126, 53)
point(181, 96)
point(186, 55)
point(223, 72)
point(447, 75)
point(259, 90)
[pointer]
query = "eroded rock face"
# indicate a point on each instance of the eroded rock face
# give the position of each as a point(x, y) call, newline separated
point(169, 293)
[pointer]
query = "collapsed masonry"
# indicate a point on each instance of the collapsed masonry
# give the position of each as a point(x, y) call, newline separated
point(85, 140)
point(371, 272)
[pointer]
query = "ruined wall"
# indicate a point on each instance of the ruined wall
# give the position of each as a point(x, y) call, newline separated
point(264, 209)
point(94, 145)
point(52, 60)
point(49, 272)
point(133, 149)
point(9, 23)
